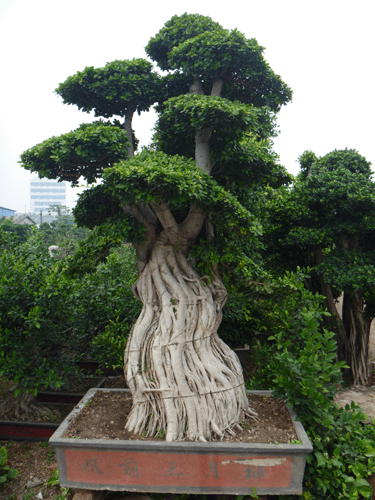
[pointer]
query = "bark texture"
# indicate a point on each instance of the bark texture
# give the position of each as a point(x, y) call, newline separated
point(357, 329)
point(185, 381)
point(353, 329)
point(25, 407)
point(128, 127)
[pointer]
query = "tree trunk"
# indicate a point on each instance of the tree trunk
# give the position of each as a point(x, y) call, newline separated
point(25, 407)
point(202, 149)
point(185, 382)
point(128, 127)
point(343, 345)
point(358, 334)
point(353, 330)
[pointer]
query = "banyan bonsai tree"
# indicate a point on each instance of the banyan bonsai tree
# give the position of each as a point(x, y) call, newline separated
point(178, 202)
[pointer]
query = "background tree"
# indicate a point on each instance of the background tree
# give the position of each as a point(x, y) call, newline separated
point(175, 202)
point(327, 222)
point(21, 231)
point(51, 318)
point(35, 324)
point(106, 309)
point(64, 234)
point(297, 358)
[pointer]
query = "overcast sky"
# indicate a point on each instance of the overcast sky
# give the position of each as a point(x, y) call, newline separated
point(324, 50)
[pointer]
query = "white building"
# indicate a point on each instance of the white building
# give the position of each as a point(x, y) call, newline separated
point(46, 192)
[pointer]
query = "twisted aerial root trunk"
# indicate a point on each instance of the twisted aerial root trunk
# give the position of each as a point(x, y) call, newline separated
point(184, 380)
point(25, 407)
point(358, 334)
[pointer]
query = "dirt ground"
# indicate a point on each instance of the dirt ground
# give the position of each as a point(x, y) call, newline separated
point(36, 462)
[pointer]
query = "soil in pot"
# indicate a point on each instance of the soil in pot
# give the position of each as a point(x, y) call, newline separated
point(105, 415)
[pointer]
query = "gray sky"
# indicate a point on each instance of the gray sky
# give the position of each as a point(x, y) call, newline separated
point(323, 49)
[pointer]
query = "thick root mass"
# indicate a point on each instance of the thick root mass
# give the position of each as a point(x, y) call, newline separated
point(24, 407)
point(185, 381)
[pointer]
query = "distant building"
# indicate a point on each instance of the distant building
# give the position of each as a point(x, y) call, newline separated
point(6, 212)
point(24, 219)
point(38, 217)
point(46, 192)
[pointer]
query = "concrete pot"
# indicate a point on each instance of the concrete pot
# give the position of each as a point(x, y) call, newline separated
point(39, 431)
point(26, 431)
point(180, 467)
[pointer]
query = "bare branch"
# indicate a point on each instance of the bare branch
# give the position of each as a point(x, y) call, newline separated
point(143, 214)
point(202, 149)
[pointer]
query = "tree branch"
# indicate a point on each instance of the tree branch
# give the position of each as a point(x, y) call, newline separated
point(145, 216)
point(192, 225)
point(128, 126)
point(165, 216)
point(203, 150)
point(142, 213)
point(196, 86)
point(217, 87)
point(330, 302)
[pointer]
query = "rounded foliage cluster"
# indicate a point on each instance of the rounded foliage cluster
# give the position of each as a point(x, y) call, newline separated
point(111, 90)
point(85, 152)
point(175, 31)
point(158, 177)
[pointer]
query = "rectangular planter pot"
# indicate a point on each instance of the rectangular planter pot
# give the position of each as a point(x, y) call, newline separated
point(180, 467)
point(64, 397)
point(26, 431)
point(38, 431)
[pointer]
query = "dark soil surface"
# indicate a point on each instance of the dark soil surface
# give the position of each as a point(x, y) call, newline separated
point(105, 415)
point(35, 463)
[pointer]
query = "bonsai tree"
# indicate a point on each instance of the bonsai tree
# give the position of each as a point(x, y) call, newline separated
point(326, 221)
point(178, 202)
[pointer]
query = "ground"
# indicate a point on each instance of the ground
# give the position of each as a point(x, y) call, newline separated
point(37, 460)
point(36, 463)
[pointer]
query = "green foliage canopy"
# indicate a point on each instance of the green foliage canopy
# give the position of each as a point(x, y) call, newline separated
point(154, 176)
point(176, 31)
point(299, 363)
point(334, 207)
point(56, 317)
point(216, 104)
point(116, 88)
point(84, 152)
point(121, 85)
point(196, 45)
